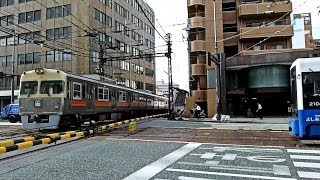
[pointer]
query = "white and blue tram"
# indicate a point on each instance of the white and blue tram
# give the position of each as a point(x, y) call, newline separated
point(305, 92)
point(51, 98)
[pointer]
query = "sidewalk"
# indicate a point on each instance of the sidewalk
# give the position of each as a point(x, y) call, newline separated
point(267, 120)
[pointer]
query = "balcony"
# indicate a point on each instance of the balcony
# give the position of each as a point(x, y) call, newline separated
point(266, 31)
point(195, 2)
point(199, 95)
point(196, 22)
point(198, 69)
point(198, 45)
point(264, 8)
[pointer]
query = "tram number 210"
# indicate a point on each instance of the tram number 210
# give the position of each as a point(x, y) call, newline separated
point(314, 104)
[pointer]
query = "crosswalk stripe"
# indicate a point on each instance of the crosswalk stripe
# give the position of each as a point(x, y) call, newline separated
point(305, 157)
point(307, 164)
point(303, 151)
point(311, 175)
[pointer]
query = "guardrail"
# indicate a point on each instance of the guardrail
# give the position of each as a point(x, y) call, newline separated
point(12, 145)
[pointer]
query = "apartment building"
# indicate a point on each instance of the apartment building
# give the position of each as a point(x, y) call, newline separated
point(254, 37)
point(73, 36)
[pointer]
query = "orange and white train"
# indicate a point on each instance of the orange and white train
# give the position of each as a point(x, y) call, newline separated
point(51, 98)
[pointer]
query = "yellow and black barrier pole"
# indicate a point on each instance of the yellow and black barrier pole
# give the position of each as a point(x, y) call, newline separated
point(46, 140)
point(12, 145)
point(10, 142)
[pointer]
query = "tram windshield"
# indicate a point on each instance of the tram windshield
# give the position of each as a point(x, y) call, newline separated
point(311, 84)
point(28, 87)
point(51, 87)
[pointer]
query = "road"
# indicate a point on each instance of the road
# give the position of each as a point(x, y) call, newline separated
point(166, 155)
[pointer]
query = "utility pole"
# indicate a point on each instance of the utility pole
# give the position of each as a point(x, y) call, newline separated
point(13, 67)
point(217, 58)
point(168, 55)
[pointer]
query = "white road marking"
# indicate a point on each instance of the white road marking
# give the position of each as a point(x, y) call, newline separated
point(154, 168)
point(281, 170)
point(192, 178)
point(303, 151)
point(311, 175)
point(306, 164)
point(241, 149)
point(229, 157)
point(214, 165)
point(228, 174)
point(305, 157)
point(208, 155)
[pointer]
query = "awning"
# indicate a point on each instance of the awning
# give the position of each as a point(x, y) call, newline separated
point(239, 67)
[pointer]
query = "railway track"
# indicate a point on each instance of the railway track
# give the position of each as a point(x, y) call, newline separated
point(243, 137)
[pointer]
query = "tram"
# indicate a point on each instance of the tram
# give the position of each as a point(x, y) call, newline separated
point(305, 92)
point(51, 98)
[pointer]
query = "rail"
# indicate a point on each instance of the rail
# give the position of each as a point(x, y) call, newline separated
point(26, 142)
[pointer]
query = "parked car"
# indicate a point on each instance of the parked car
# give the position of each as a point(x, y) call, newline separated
point(11, 112)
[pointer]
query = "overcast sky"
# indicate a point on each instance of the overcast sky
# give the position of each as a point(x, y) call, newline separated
point(172, 16)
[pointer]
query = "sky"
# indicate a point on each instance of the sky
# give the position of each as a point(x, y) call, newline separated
point(171, 17)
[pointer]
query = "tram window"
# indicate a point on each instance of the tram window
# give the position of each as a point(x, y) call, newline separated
point(29, 87)
point(77, 91)
point(122, 96)
point(103, 94)
point(51, 87)
point(311, 84)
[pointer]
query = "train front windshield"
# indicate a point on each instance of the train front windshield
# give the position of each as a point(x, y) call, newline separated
point(52, 87)
point(29, 87)
point(311, 90)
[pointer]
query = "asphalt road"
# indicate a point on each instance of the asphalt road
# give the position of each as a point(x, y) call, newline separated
point(117, 157)
point(103, 158)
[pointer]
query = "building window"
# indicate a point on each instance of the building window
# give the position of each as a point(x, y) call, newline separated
point(276, 46)
point(29, 16)
point(24, 1)
point(59, 33)
point(2, 61)
point(4, 3)
point(50, 56)
point(22, 59)
point(3, 41)
point(29, 58)
point(36, 57)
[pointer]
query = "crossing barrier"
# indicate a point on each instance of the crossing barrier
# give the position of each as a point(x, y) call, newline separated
point(10, 142)
point(17, 144)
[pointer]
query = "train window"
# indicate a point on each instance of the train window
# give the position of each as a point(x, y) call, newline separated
point(28, 87)
point(103, 94)
point(122, 96)
point(135, 97)
point(51, 87)
point(77, 91)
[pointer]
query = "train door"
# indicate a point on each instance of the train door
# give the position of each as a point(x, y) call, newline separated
point(89, 97)
point(68, 99)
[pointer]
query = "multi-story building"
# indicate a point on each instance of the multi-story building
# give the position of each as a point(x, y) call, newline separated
point(255, 39)
point(303, 29)
point(74, 36)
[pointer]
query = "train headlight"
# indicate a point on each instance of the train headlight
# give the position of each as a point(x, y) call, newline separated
point(56, 107)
